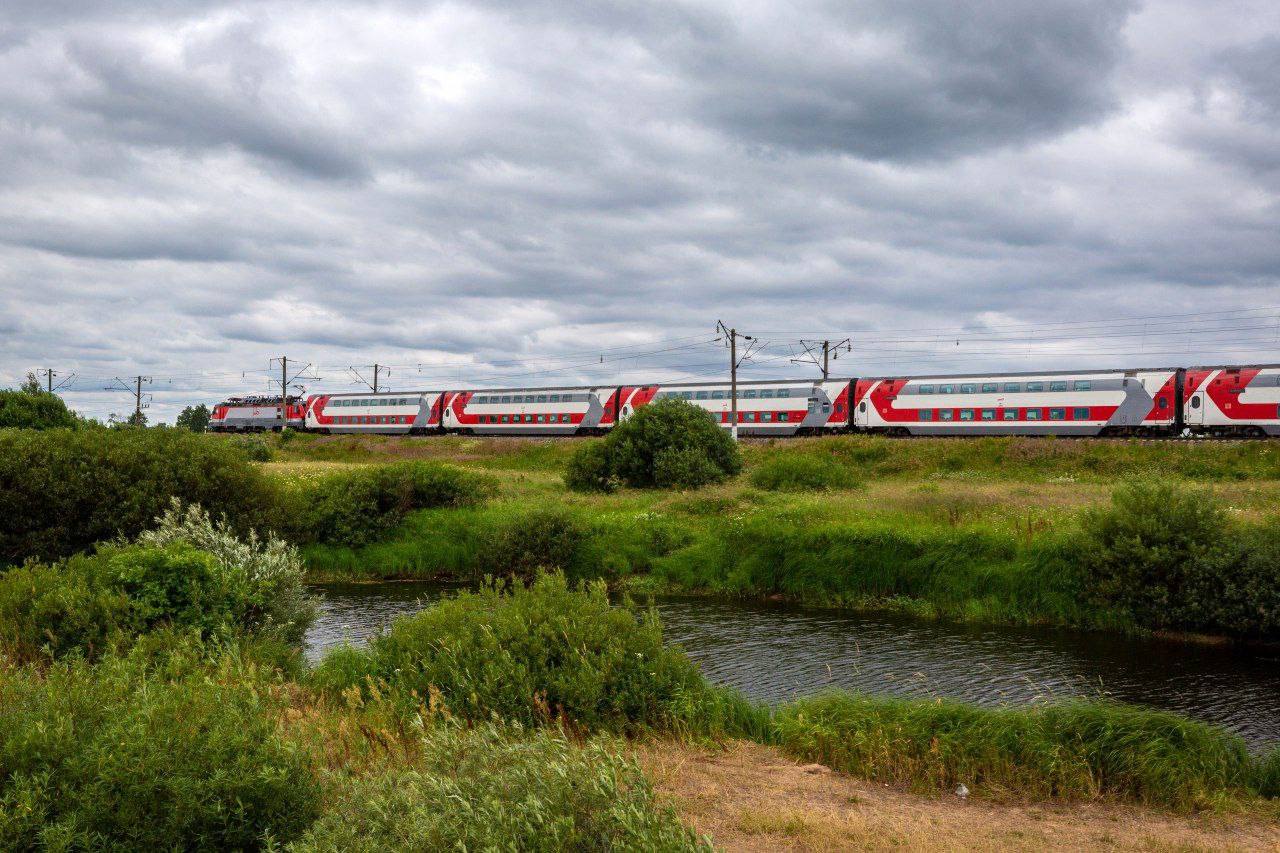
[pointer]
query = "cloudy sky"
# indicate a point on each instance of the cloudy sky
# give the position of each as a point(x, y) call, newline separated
point(483, 193)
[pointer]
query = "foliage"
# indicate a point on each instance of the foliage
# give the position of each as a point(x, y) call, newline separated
point(546, 539)
point(120, 756)
point(355, 506)
point(1171, 557)
point(499, 788)
point(800, 472)
point(194, 418)
point(189, 574)
point(62, 490)
point(34, 410)
point(670, 443)
point(588, 469)
point(1071, 750)
point(266, 575)
point(255, 447)
point(527, 654)
point(1266, 773)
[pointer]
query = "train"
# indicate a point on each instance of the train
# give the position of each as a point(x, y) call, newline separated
point(1241, 401)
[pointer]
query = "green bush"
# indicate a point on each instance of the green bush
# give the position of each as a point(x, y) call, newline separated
point(113, 756)
point(1070, 750)
point(669, 443)
point(63, 490)
point(357, 506)
point(527, 655)
point(546, 539)
point(90, 602)
point(791, 472)
point(493, 788)
point(588, 469)
point(254, 447)
point(38, 410)
point(1172, 559)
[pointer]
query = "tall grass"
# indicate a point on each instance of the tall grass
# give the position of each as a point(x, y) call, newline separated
point(1069, 751)
point(502, 788)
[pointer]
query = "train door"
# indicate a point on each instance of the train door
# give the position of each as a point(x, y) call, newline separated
point(1193, 415)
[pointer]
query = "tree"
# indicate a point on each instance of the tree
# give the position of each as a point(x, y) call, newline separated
point(31, 385)
point(34, 410)
point(194, 418)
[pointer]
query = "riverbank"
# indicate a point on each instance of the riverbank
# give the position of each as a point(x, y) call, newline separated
point(749, 797)
point(977, 532)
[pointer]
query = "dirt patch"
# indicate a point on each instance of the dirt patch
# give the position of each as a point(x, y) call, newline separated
point(753, 798)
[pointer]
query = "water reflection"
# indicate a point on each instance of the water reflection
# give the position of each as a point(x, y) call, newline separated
point(775, 652)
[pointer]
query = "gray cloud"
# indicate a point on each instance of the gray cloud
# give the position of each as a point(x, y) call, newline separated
point(499, 190)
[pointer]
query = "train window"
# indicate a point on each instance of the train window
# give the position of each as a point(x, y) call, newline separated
point(782, 417)
point(968, 388)
point(1083, 385)
point(564, 419)
point(990, 387)
point(767, 394)
point(925, 389)
point(1195, 402)
point(701, 395)
point(717, 395)
point(1035, 386)
point(766, 416)
point(749, 395)
point(945, 414)
point(542, 419)
point(1012, 387)
point(506, 398)
point(1010, 414)
point(966, 414)
point(555, 398)
point(686, 395)
point(1033, 414)
point(1057, 414)
point(924, 414)
point(1081, 414)
point(1162, 403)
point(1057, 386)
point(988, 414)
point(946, 389)
point(505, 419)
point(862, 407)
point(542, 398)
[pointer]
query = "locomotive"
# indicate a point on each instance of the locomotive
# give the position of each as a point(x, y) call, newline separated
point(1225, 400)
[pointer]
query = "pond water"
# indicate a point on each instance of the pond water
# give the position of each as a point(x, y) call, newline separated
point(775, 651)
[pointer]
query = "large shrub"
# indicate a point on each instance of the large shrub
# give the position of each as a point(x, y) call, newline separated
point(355, 506)
point(113, 756)
point(528, 654)
point(669, 443)
point(89, 602)
point(494, 788)
point(546, 539)
point(63, 490)
point(34, 410)
point(1173, 559)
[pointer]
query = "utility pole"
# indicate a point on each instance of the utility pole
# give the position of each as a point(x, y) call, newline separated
point(49, 374)
point(734, 362)
point(830, 352)
point(136, 391)
point(285, 379)
point(378, 370)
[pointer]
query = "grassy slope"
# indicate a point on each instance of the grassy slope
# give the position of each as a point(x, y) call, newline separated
point(936, 527)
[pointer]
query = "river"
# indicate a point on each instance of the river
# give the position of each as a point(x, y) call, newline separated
point(775, 651)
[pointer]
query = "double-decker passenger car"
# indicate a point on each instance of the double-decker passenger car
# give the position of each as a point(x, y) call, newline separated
point(256, 414)
point(1233, 401)
point(399, 413)
point(1119, 402)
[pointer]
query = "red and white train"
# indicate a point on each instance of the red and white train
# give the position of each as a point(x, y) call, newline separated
point(1225, 400)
